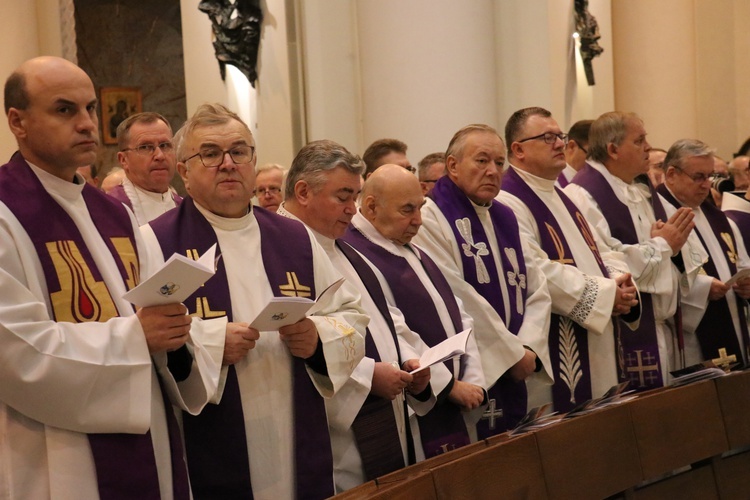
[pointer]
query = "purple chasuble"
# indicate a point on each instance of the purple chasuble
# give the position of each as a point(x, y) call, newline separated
point(480, 272)
point(375, 428)
point(639, 361)
point(125, 463)
point(568, 340)
point(443, 428)
point(118, 193)
point(215, 440)
point(716, 329)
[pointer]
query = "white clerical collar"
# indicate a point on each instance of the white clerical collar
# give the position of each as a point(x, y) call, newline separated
point(634, 192)
point(327, 243)
point(371, 233)
point(227, 223)
point(536, 183)
point(735, 200)
point(165, 197)
point(694, 209)
point(68, 190)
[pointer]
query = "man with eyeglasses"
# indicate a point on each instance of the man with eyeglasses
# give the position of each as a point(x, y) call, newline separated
point(629, 217)
point(475, 240)
point(386, 151)
point(429, 170)
point(588, 288)
point(576, 151)
point(147, 157)
point(713, 314)
point(267, 435)
point(269, 179)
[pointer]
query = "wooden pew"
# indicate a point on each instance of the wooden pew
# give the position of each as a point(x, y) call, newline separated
point(510, 470)
point(590, 456)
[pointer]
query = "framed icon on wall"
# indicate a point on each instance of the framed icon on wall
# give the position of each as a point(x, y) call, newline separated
point(116, 104)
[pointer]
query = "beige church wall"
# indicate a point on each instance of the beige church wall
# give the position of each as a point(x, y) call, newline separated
point(682, 66)
point(19, 38)
point(418, 71)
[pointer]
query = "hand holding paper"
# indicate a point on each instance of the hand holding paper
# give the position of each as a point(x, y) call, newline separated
point(283, 311)
point(175, 281)
point(447, 349)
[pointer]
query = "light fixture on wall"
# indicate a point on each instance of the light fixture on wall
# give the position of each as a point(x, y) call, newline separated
point(236, 27)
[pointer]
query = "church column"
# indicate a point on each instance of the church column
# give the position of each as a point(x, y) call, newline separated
point(427, 68)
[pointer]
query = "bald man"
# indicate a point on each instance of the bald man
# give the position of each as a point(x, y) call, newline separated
point(382, 230)
point(83, 410)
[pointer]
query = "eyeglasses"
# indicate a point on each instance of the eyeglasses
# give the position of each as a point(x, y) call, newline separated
point(697, 178)
point(430, 180)
point(269, 190)
point(214, 157)
point(150, 149)
point(585, 151)
point(549, 138)
point(411, 169)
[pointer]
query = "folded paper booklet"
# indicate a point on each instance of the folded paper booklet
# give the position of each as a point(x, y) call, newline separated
point(175, 281)
point(445, 350)
point(283, 311)
point(742, 273)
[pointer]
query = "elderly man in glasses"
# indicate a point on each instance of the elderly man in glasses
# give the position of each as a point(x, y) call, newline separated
point(630, 217)
point(147, 157)
point(269, 182)
point(267, 436)
point(714, 312)
point(476, 243)
point(587, 287)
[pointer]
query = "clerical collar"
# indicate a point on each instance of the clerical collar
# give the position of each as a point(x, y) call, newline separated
point(537, 183)
point(324, 241)
point(371, 233)
point(227, 223)
point(158, 197)
point(69, 191)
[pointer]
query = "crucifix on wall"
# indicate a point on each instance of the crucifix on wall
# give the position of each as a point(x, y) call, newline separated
point(588, 33)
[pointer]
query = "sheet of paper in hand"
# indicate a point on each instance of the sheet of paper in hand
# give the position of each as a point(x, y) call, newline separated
point(445, 350)
point(283, 311)
point(175, 281)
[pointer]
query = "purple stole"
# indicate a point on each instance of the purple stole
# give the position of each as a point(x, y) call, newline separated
point(562, 181)
point(375, 428)
point(569, 344)
point(118, 193)
point(716, 329)
point(474, 241)
point(639, 360)
point(443, 428)
point(125, 463)
point(215, 440)
point(742, 219)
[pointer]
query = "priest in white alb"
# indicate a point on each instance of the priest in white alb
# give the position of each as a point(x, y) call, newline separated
point(588, 288)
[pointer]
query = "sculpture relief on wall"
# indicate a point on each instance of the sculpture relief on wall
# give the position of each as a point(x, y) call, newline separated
point(236, 26)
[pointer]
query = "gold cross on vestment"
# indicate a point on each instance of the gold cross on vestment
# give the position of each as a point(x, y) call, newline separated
point(641, 369)
point(293, 288)
point(723, 361)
